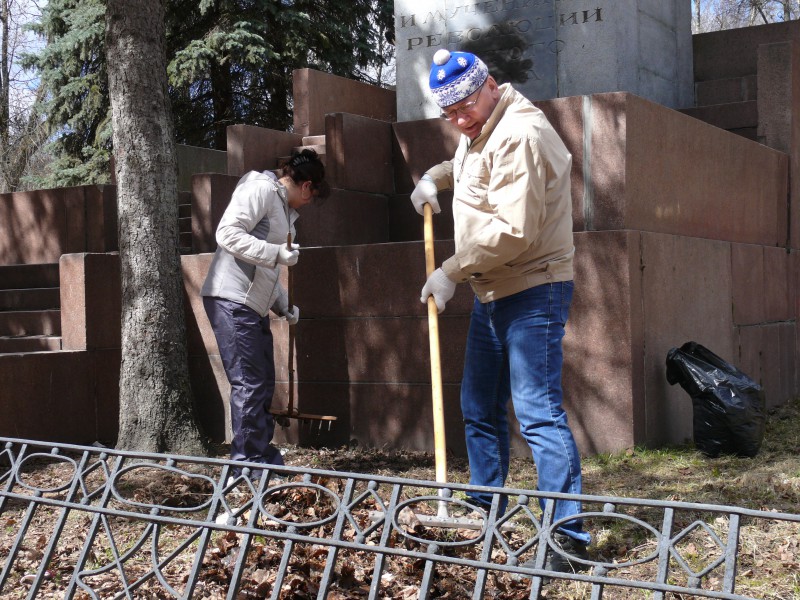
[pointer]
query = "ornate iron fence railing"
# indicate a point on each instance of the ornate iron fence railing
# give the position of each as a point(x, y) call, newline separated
point(89, 522)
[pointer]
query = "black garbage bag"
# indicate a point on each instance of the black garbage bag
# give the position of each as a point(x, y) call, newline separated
point(728, 405)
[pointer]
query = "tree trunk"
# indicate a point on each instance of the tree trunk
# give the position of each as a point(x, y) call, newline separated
point(5, 90)
point(156, 411)
point(697, 13)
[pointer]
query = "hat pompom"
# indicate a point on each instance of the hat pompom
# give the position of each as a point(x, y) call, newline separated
point(455, 75)
point(441, 57)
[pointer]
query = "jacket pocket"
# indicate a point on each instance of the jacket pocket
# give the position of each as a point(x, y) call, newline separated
point(474, 185)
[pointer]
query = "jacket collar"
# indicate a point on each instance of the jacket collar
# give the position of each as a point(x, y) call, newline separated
point(506, 99)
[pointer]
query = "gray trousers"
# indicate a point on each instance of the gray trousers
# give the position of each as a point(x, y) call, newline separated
point(245, 347)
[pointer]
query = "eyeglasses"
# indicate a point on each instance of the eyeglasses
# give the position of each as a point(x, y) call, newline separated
point(463, 109)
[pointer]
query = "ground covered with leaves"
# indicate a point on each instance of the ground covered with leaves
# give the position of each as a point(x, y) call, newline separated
point(768, 556)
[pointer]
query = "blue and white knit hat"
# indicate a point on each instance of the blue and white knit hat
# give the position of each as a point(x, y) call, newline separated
point(455, 75)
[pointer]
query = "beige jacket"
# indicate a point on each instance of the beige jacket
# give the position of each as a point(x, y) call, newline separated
point(512, 205)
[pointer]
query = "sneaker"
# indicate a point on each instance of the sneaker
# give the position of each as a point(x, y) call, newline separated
point(571, 548)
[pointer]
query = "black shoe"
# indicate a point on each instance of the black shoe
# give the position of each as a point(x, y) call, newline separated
point(556, 562)
point(559, 562)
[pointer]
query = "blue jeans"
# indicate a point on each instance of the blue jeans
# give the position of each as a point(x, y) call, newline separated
point(245, 347)
point(514, 349)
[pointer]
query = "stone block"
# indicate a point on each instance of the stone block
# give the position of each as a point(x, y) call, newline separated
point(775, 72)
point(406, 225)
point(602, 205)
point(788, 362)
point(417, 146)
point(723, 91)
point(316, 94)
point(34, 228)
point(358, 153)
point(192, 159)
point(30, 323)
point(603, 376)
point(41, 225)
point(794, 160)
point(777, 303)
point(737, 115)
point(200, 336)
point(794, 283)
point(686, 292)
point(29, 276)
point(61, 384)
point(734, 52)
point(703, 182)
point(549, 50)
point(211, 194)
point(390, 349)
point(75, 212)
point(751, 349)
point(767, 354)
point(771, 364)
point(211, 392)
point(747, 273)
point(568, 117)
point(253, 148)
point(749, 133)
point(369, 281)
point(779, 114)
point(101, 218)
point(29, 299)
point(90, 301)
point(105, 366)
point(344, 218)
point(73, 301)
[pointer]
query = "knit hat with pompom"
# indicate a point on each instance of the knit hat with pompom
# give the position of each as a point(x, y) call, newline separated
point(456, 75)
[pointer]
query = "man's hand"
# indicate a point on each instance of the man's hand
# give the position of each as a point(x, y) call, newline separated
point(288, 257)
point(425, 193)
point(441, 287)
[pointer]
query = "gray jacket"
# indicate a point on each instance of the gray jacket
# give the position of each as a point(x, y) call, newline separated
point(249, 235)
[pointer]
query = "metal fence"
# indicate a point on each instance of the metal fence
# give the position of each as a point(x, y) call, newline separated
point(89, 522)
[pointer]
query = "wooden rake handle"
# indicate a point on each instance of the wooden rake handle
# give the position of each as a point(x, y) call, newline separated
point(290, 404)
point(439, 443)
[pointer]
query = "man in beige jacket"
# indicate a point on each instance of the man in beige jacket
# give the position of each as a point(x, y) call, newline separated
point(512, 213)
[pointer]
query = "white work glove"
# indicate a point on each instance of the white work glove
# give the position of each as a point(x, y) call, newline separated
point(441, 287)
point(292, 315)
point(425, 193)
point(288, 257)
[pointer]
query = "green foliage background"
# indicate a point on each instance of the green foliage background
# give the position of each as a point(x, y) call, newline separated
point(229, 62)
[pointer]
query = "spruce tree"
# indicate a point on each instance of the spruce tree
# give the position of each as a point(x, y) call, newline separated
point(229, 62)
point(72, 69)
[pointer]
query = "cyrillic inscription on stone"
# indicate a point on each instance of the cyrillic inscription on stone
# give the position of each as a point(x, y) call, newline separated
point(550, 48)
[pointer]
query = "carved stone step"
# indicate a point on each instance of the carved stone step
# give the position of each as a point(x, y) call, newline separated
point(30, 299)
point(30, 343)
point(30, 322)
point(29, 276)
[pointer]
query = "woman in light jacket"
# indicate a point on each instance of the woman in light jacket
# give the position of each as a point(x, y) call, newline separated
point(243, 285)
